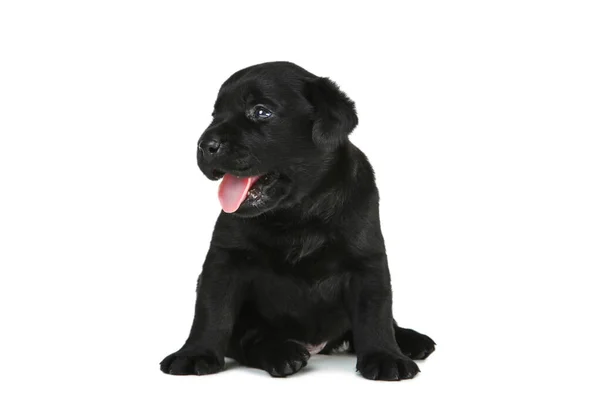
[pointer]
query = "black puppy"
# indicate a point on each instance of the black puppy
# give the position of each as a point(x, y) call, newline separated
point(297, 263)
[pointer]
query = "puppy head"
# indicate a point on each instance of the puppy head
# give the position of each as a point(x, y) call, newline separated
point(274, 126)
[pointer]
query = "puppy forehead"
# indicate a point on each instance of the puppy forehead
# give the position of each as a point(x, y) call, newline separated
point(278, 84)
point(259, 88)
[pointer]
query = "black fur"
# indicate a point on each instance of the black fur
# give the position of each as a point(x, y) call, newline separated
point(304, 262)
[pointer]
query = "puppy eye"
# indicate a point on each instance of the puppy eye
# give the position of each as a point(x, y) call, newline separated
point(261, 112)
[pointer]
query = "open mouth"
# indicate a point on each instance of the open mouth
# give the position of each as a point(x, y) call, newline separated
point(237, 190)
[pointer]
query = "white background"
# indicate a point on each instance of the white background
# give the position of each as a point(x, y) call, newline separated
point(481, 120)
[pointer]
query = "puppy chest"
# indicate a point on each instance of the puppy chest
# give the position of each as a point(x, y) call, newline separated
point(295, 297)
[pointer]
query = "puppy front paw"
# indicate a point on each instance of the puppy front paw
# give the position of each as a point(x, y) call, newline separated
point(183, 363)
point(386, 367)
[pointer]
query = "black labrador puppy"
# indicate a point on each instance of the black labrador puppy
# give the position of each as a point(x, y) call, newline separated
point(297, 262)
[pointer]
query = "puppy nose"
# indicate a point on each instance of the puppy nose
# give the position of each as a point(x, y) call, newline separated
point(210, 148)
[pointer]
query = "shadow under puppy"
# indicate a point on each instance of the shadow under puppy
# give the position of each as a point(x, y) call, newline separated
point(297, 262)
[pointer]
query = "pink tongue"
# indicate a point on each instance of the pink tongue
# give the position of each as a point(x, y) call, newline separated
point(233, 191)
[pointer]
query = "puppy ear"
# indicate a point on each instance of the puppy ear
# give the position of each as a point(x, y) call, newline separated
point(335, 113)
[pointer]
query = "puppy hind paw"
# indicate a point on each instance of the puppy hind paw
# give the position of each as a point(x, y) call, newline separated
point(282, 359)
point(414, 344)
point(386, 367)
point(185, 364)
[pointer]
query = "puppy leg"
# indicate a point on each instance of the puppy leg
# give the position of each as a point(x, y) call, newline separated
point(379, 357)
point(219, 295)
point(414, 344)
